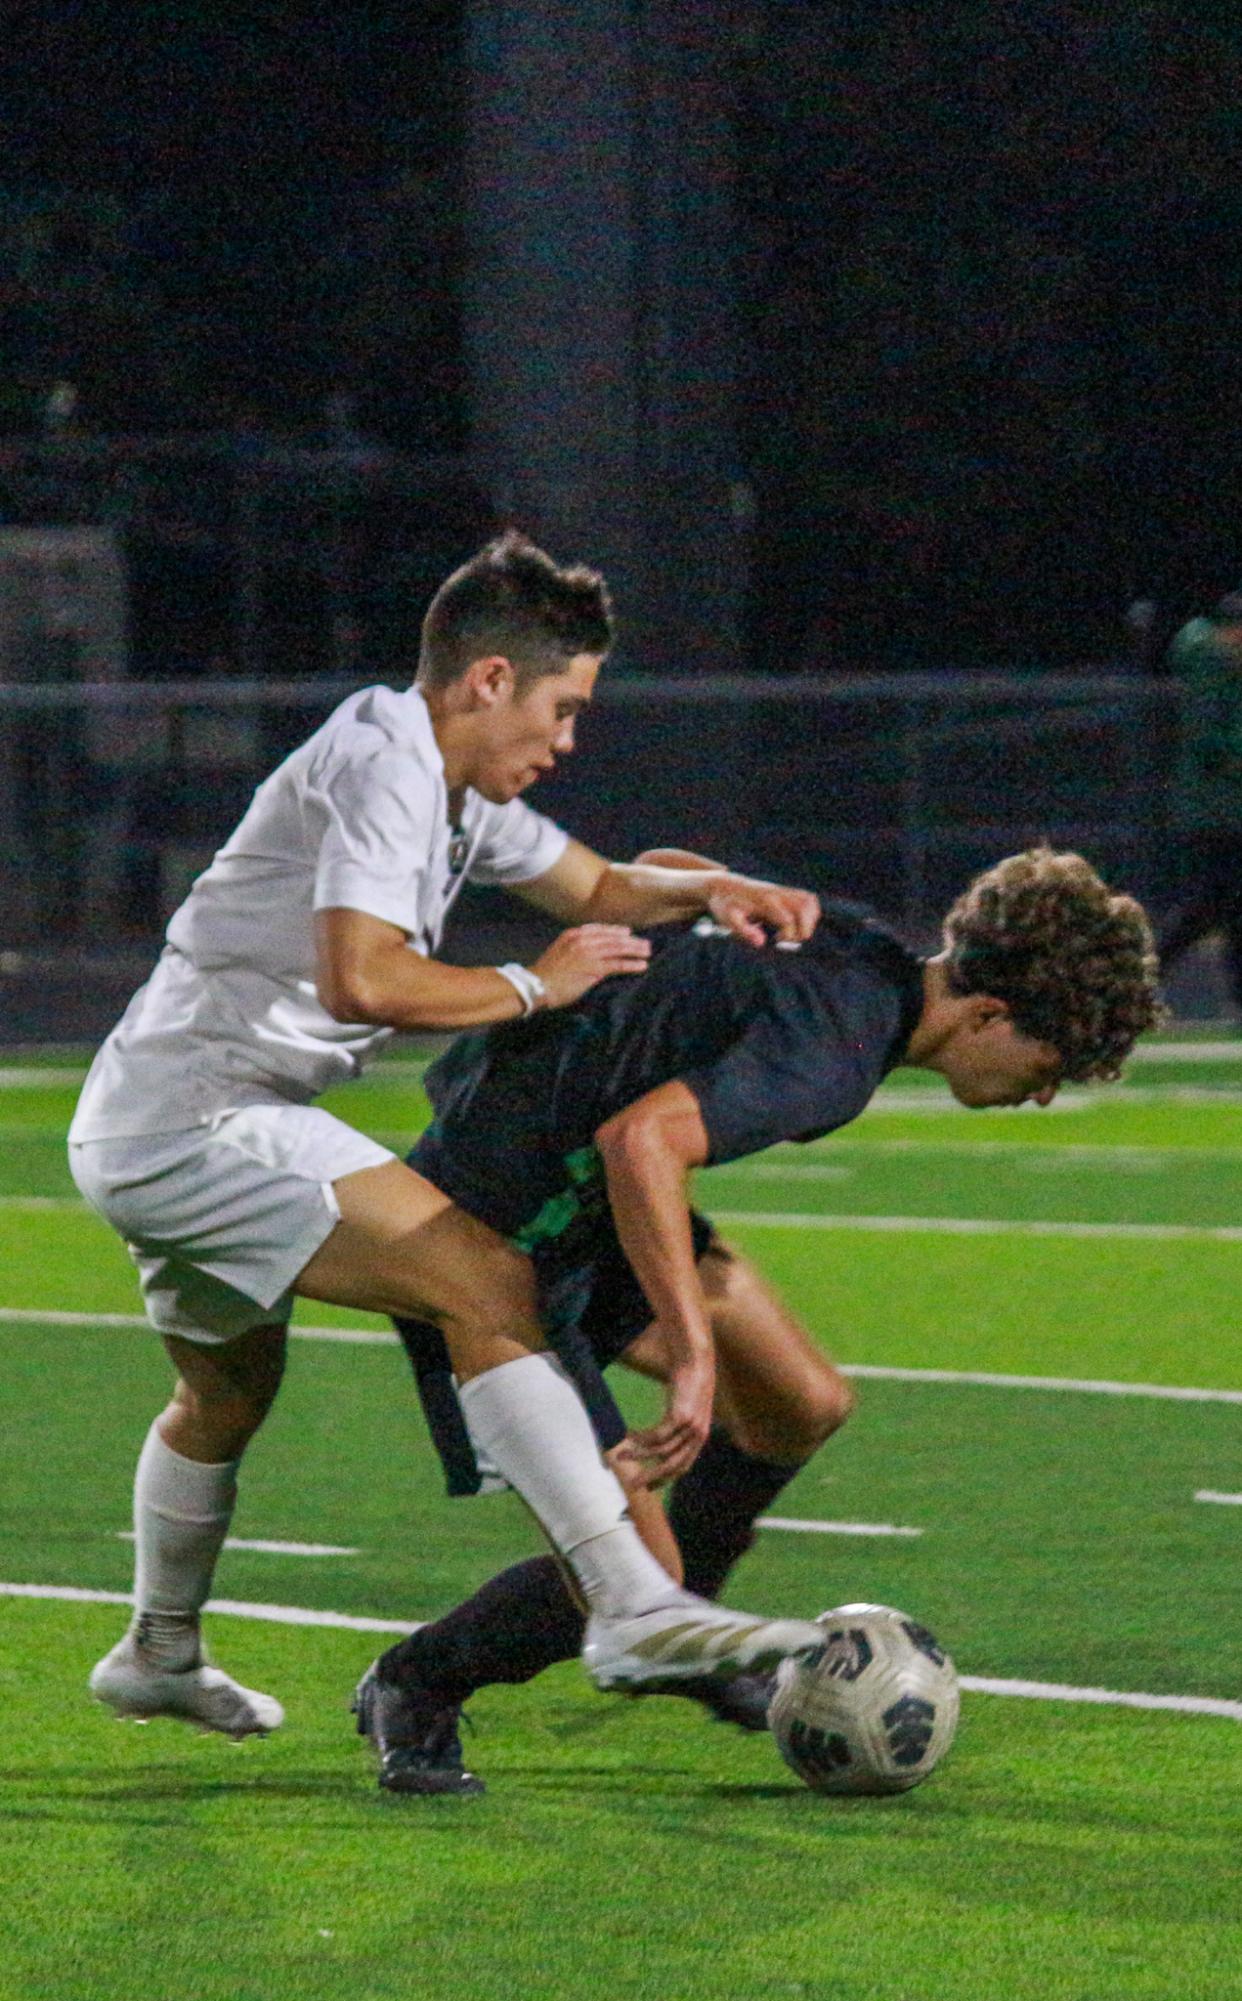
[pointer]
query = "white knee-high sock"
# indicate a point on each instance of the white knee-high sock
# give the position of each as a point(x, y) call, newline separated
point(182, 1511)
point(529, 1420)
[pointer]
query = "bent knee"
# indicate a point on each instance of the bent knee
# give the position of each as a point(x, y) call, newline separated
point(792, 1429)
point(829, 1405)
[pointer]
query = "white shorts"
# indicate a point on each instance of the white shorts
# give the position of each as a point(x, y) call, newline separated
point(221, 1219)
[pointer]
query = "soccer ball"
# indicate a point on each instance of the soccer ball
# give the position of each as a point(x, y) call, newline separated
point(875, 1712)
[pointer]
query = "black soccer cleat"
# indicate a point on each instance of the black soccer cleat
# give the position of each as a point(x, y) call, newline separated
point(414, 1732)
point(743, 1701)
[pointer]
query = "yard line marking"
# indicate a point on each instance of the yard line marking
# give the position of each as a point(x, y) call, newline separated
point(266, 1548)
point(1222, 1500)
point(1030, 1159)
point(29, 1077)
point(41, 1202)
point(1187, 1052)
point(1065, 1101)
point(362, 1337)
point(237, 1608)
point(932, 1100)
point(301, 1615)
point(1093, 1152)
point(981, 1226)
point(1055, 1691)
point(379, 1337)
point(832, 1528)
point(989, 1379)
point(59, 1317)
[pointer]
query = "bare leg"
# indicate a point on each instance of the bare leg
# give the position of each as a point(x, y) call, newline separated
point(402, 1248)
point(777, 1400)
point(184, 1493)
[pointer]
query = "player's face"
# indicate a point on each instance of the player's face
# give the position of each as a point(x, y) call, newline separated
point(995, 1064)
point(527, 732)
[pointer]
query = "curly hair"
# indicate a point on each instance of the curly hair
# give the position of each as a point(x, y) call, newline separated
point(1075, 964)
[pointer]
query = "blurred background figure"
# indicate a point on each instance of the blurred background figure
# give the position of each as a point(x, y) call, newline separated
point(1206, 805)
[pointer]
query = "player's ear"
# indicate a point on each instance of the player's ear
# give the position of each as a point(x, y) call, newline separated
point(986, 1009)
point(489, 679)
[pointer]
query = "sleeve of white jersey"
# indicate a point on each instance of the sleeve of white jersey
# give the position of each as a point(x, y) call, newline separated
point(518, 844)
point(376, 834)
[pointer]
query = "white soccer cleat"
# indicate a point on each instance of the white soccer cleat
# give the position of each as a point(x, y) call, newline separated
point(687, 1638)
point(134, 1686)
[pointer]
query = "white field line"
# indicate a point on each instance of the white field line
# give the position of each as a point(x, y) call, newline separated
point(379, 1337)
point(31, 1076)
point(1055, 1691)
point(988, 1379)
point(266, 1548)
point(35, 1077)
point(1187, 1052)
point(361, 1337)
point(980, 1226)
point(301, 1615)
point(832, 1528)
point(945, 1226)
point(237, 1608)
point(1069, 1100)
point(41, 1202)
point(1221, 1500)
point(1094, 1153)
point(1026, 1159)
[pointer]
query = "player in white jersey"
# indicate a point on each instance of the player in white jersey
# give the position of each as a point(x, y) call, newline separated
point(308, 941)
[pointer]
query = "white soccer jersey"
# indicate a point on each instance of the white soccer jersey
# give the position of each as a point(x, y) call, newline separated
point(358, 818)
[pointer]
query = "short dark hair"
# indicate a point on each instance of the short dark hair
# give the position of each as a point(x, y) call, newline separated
point(1073, 961)
point(513, 599)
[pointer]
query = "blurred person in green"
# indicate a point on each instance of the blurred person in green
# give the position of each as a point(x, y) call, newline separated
point(1206, 807)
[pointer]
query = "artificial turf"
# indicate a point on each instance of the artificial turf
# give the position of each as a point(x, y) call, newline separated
point(633, 1849)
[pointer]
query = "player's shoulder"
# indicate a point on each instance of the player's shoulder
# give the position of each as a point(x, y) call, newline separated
point(378, 727)
point(850, 927)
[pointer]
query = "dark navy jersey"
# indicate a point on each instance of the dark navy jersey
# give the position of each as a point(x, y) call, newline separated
point(775, 1044)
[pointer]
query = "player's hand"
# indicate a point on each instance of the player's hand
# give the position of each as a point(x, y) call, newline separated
point(579, 959)
point(751, 909)
point(669, 1449)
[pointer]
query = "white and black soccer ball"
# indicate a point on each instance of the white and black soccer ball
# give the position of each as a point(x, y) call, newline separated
point(875, 1712)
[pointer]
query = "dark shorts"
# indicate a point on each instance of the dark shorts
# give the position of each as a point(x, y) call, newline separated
point(591, 1309)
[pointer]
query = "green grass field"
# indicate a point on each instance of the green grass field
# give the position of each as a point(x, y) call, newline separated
point(1068, 1849)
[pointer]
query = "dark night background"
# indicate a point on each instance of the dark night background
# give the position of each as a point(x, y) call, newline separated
point(989, 255)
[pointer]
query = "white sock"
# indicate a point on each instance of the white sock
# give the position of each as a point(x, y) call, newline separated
point(529, 1420)
point(182, 1511)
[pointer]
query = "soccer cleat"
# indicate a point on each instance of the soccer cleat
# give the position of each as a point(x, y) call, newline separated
point(135, 1686)
point(686, 1639)
point(743, 1700)
point(414, 1732)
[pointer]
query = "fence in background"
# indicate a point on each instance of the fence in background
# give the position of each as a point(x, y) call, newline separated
point(895, 790)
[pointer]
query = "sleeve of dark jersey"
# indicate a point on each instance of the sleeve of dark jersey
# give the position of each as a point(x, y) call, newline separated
point(796, 1072)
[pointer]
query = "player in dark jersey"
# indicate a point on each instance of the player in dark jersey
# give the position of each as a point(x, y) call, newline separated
point(572, 1135)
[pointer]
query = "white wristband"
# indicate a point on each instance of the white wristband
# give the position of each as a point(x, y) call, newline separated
point(527, 984)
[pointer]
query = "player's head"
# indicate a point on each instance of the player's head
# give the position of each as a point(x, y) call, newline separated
point(516, 641)
point(1049, 976)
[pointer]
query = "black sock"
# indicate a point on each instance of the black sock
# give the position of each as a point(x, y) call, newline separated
point(516, 1625)
point(713, 1507)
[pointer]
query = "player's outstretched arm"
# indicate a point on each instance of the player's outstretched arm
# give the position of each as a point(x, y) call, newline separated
point(647, 1150)
point(584, 888)
point(366, 972)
